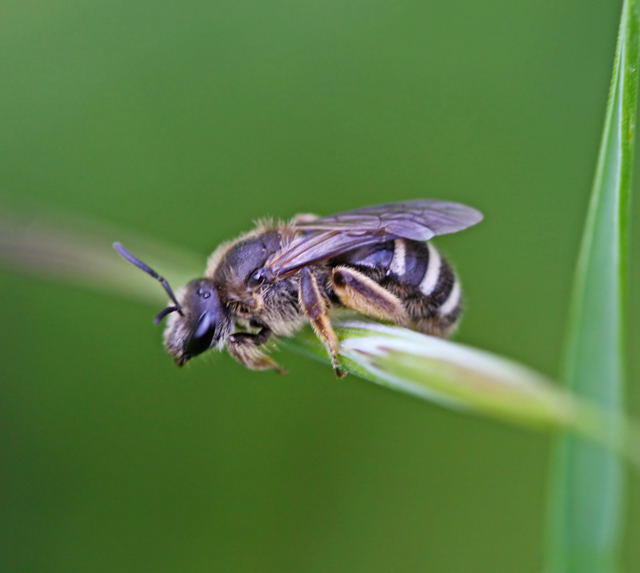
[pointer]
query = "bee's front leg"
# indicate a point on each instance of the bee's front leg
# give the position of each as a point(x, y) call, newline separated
point(245, 348)
point(315, 308)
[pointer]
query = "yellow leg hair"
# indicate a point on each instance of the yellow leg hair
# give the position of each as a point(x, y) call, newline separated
point(315, 308)
point(362, 294)
point(245, 348)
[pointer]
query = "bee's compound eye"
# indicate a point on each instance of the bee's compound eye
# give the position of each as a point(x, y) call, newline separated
point(257, 277)
point(201, 337)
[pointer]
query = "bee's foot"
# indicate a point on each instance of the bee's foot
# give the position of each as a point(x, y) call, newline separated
point(339, 372)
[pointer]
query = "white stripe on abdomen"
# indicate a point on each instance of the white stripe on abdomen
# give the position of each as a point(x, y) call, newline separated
point(399, 260)
point(452, 301)
point(430, 279)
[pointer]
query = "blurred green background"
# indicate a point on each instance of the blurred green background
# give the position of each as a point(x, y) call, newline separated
point(186, 121)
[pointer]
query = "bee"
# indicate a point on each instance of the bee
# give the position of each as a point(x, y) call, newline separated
point(376, 261)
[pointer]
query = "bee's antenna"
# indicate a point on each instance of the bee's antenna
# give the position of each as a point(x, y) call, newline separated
point(164, 312)
point(147, 269)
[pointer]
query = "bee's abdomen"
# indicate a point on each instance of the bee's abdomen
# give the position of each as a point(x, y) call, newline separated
point(419, 276)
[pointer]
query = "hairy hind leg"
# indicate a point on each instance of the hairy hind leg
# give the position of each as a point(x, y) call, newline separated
point(358, 292)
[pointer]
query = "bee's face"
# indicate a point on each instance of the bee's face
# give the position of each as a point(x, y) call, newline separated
point(203, 324)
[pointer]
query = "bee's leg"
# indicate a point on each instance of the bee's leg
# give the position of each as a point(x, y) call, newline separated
point(358, 292)
point(245, 348)
point(315, 308)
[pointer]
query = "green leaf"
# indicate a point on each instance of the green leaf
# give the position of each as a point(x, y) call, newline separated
point(587, 481)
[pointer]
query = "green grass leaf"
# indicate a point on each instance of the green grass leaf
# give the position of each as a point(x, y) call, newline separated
point(587, 481)
point(78, 250)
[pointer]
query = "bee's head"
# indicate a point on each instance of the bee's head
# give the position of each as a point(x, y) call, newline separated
point(198, 321)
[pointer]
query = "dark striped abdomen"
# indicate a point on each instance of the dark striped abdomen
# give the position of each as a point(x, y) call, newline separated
point(418, 275)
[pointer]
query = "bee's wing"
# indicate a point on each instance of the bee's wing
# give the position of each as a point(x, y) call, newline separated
point(419, 220)
point(327, 237)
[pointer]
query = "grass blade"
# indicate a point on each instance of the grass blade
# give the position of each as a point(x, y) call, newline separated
point(452, 375)
point(467, 379)
point(587, 482)
point(78, 251)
